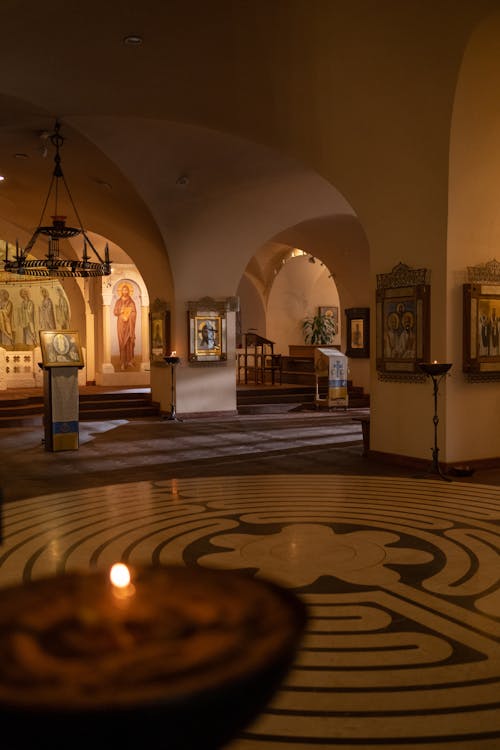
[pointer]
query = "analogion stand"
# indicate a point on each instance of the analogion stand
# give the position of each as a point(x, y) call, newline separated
point(331, 363)
point(62, 358)
point(61, 408)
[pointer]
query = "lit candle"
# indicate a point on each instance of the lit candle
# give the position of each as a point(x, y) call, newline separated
point(119, 575)
point(435, 362)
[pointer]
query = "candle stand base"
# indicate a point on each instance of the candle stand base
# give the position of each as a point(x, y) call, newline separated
point(172, 416)
point(434, 470)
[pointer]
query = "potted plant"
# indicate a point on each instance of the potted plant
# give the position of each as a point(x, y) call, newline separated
point(319, 328)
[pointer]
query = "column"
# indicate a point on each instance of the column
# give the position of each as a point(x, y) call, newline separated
point(145, 364)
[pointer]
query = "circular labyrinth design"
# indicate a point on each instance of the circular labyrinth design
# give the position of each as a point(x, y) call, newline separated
point(401, 578)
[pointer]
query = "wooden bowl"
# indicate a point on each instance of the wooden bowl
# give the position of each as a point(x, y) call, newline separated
point(181, 658)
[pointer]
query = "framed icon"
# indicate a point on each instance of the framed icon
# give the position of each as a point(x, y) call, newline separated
point(402, 321)
point(358, 332)
point(61, 349)
point(159, 332)
point(207, 336)
point(481, 328)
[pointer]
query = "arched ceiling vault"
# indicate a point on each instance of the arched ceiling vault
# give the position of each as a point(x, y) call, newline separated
point(145, 184)
point(107, 202)
point(330, 88)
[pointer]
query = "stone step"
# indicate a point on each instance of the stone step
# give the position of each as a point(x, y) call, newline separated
point(116, 409)
point(117, 405)
point(27, 411)
point(285, 398)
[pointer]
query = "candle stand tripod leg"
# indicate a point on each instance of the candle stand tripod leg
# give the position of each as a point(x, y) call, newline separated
point(435, 451)
point(436, 372)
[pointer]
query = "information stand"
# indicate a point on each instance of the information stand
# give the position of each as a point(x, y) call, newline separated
point(330, 363)
point(62, 358)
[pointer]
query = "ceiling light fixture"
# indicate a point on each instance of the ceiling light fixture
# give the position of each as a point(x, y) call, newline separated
point(53, 264)
point(132, 40)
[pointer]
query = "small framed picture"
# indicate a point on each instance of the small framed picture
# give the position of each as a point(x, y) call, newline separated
point(358, 332)
point(331, 311)
point(61, 349)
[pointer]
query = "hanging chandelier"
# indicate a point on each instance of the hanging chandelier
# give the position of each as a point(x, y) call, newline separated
point(53, 264)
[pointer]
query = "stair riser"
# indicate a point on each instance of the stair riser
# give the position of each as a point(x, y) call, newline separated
point(92, 408)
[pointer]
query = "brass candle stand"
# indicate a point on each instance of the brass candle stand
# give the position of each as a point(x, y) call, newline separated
point(436, 371)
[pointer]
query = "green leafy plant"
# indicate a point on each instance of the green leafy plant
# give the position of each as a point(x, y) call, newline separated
point(319, 329)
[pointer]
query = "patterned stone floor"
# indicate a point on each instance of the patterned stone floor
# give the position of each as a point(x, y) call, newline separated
point(401, 578)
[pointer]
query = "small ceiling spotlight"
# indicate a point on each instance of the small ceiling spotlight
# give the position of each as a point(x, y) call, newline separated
point(132, 40)
point(104, 184)
point(182, 180)
point(312, 259)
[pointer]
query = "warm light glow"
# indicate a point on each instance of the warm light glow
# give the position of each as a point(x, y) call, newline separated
point(173, 354)
point(119, 575)
point(435, 362)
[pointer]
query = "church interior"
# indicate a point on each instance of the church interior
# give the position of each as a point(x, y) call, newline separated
point(238, 173)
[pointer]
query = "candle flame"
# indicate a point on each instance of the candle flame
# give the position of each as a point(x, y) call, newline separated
point(435, 362)
point(119, 575)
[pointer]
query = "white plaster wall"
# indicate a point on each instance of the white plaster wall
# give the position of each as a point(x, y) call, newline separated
point(203, 389)
point(473, 409)
point(209, 259)
point(299, 289)
point(252, 312)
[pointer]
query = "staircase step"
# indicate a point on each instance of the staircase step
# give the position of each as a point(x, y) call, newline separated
point(285, 398)
point(27, 411)
point(116, 396)
point(119, 412)
point(118, 405)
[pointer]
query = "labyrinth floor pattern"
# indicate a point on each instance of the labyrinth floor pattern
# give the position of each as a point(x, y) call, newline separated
point(401, 578)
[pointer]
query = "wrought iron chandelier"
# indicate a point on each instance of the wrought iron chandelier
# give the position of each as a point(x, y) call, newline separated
point(53, 264)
